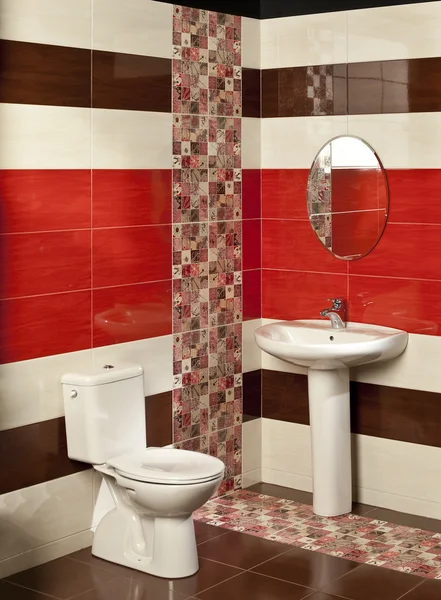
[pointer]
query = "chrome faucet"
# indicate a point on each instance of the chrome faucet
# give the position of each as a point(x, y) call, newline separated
point(336, 314)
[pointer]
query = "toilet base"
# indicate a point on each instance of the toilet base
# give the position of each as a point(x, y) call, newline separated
point(161, 546)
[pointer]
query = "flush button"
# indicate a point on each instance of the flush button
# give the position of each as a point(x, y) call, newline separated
point(73, 394)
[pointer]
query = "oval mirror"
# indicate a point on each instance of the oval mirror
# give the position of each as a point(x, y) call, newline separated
point(347, 197)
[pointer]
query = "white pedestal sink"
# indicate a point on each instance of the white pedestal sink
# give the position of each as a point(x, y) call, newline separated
point(328, 354)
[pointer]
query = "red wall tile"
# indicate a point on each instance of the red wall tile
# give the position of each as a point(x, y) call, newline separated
point(131, 197)
point(134, 312)
point(294, 295)
point(44, 325)
point(251, 193)
point(415, 195)
point(293, 245)
point(44, 263)
point(251, 244)
point(284, 193)
point(408, 304)
point(404, 251)
point(44, 200)
point(252, 294)
point(128, 255)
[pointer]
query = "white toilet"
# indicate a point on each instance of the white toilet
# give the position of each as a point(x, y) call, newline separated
point(155, 490)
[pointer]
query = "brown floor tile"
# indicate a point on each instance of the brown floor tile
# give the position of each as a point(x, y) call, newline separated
point(62, 578)
point(428, 590)
point(250, 586)
point(281, 492)
point(206, 532)
point(241, 550)
point(210, 573)
point(399, 518)
point(125, 588)
point(311, 569)
point(325, 596)
point(368, 582)
point(8, 591)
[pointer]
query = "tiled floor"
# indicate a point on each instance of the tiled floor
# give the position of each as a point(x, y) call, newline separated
point(233, 566)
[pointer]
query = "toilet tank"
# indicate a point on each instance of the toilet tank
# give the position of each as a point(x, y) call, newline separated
point(105, 412)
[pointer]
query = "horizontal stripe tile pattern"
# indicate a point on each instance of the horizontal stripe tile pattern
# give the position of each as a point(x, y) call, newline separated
point(380, 87)
point(44, 74)
point(381, 411)
point(41, 74)
point(37, 453)
point(131, 82)
point(251, 91)
point(34, 454)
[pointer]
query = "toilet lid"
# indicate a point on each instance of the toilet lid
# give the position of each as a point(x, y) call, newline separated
point(168, 465)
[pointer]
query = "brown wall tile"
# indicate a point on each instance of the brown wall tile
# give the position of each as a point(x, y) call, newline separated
point(42, 74)
point(251, 92)
point(252, 395)
point(131, 82)
point(158, 412)
point(397, 414)
point(285, 397)
point(34, 454)
point(380, 411)
point(304, 91)
point(395, 86)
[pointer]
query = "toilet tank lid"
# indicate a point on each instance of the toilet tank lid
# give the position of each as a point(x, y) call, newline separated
point(102, 374)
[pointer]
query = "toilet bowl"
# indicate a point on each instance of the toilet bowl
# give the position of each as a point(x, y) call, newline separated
point(155, 490)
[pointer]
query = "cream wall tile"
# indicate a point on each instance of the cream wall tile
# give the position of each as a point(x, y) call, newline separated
point(251, 445)
point(402, 141)
point(30, 390)
point(44, 137)
point(57, 22)
point(43, 554)
point(293, 142)
point(303, 40)
point(154, 354)
point(251, 143)
point(133, 26)
point(251, 353)
point(44, 513)
point(393, 32)
point(252, 477)
point(130, 139)
point(289, 480)
point(286, 447)
point(415, 369)
point(389, 473)
point(251, 43)
point(398, 468)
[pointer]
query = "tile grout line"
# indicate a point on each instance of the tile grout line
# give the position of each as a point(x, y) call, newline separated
point(24, 587)
point(403, 597)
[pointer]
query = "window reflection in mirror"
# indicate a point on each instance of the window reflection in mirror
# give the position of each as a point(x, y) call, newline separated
point(347, 197)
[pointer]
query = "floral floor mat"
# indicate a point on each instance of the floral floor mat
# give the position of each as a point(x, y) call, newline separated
point(352, 537)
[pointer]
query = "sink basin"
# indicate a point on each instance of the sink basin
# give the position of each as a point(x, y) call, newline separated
point(313, 343)
point(329, 353)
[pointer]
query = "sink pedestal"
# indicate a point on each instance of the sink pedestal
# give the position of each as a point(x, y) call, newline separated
point(329, 411)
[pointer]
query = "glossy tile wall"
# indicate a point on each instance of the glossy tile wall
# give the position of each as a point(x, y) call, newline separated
point(86, 158)
point(380, 57)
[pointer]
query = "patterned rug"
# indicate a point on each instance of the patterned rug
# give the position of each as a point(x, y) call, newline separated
point(349, 536)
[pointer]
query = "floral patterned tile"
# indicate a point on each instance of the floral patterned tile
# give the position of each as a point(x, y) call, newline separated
point(352, 537)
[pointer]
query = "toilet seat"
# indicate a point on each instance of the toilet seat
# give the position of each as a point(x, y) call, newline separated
point(168, 466)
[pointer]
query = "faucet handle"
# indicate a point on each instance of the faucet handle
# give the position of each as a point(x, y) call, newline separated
point(337, 303)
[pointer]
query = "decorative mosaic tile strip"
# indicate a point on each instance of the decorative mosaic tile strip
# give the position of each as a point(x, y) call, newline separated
point(352, 537)
point(207, 212)
point(320, 90)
